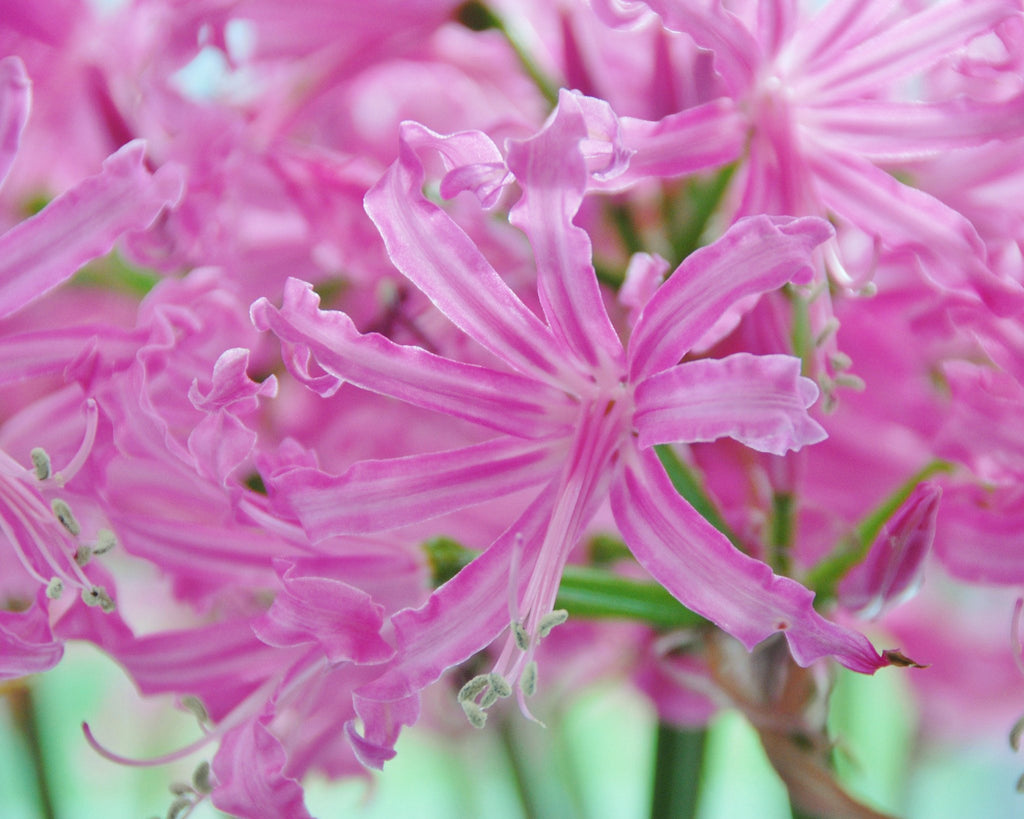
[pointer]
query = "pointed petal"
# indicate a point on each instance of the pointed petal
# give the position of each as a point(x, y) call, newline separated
point(552, 173)
point(81, 224)
point(502, 401)
point(15, 101)
point(760, 401)
point(374, 496)
point(698, 565)
point(436, 255)
point(754, 256)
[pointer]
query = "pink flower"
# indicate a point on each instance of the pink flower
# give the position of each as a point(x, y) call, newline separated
point(576, 412)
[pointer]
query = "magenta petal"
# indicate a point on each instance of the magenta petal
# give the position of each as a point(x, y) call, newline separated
point(503, 401)
point(343, 620)
point(251, 783)
point(15, 101)
point(462, 616)
point(755, 255)
point(472, 160)
point(760, 401)
point(978, 537)
point(436, 255)
point(701, 568)
point(81, 224)
point(551, 170)
point(27, 645)
point(382, 723)
point(374, 496)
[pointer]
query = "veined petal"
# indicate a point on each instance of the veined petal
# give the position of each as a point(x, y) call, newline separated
point(755, 255)
point(374, 496)
point(503, 401)
point(81, 224)
point(552, 172)
point(15, 101)
point(472, 160)
point(27, 644)
point(52, 351)
point(914, 43)
point(698, 565)
point(760, 401)
point(705, 136)
point(465, 614)
point(905, 218)
point(878, 129)
point(436, 255)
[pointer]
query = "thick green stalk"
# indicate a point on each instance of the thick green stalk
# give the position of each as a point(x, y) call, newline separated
point(678, 763)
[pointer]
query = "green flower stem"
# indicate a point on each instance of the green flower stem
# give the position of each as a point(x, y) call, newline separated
point(852, 550)
point(678, 762)
point(781, 531)
point(584, 591)
point(702, 199)
point(23, 710)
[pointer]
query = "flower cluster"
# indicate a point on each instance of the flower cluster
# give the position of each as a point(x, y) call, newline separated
point(407, 340)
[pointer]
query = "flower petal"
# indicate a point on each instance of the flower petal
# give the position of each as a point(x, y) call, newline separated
point(552, 172)
point(15, 101)
point(754, 256)
point(374, 496)
point(502, 401)
point(81, 224)
point(436, 255)
point(698, 565)
point(760, 401)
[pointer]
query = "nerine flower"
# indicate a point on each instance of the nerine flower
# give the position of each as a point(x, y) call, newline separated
point(576, 413)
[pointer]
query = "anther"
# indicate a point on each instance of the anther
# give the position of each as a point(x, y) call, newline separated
point(63, 513)
point(840, 361)
point(97, 596)
point(195, 706)
point(550, 620)
point(201, 778)
point(473, 689)
point(521, 635)
point(499, 685)
point(178, 807)
point(83, 554)
point(528, 680)
point(41, 463)
point(475, 714)
point(1016, 732)
point(105, 541)
point(55, 588)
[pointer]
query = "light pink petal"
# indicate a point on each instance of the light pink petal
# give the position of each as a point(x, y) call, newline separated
point(232, 385)
point(760, 401)
point(502, 401)
point(837, 26)
point(552, 171)
point(436, 255)
point(706, 136)
point(465, 614)
point(755, 255)
point(27, 645)
point(737, 53)
point(250, 779)
point(382, 723)
point(906, 219)
point(701, 568)
point(978, 537)
point(90, 349)
point(877, 129)
point(472, 160)
point(893, 569)
point(374, 496)
point(342, 620)
point(81, 224)
point(912, 44)
point(15, 101)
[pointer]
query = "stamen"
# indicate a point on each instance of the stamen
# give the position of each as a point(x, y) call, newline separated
point(64, 515)
point(178, 806)
point(195, 706)
point(474, 688)
point(1016, 732)
point(521, 636)
point(201, 778)
point(105, 541)
point(41, 463)
point(79, 458)
point(97, 596)
point(528, 680)
point(55, 588)
point(83, 554)
point(499, 685)
point(550, 620)
point(475, 714)
point(840, 361)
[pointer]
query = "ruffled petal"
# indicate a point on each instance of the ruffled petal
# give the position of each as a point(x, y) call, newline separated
point(374, 496)
point(27, 645)
point(552, 172)
point(81, 224)
point(754, 256)
point(698, 565)
point(760, 401)
point(503, 401)
point(15, 101)
point(436, 255)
